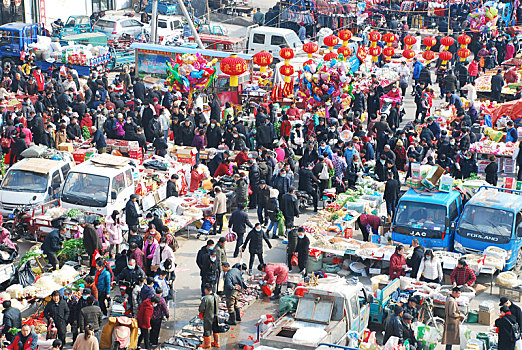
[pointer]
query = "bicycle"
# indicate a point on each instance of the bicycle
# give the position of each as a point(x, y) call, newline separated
point(426, 315)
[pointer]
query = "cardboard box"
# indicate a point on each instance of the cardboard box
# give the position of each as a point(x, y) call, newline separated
point(188, 159)
point(487, 318)
point(435, 174)
point(415, 170)
point(413, 183)
point(66, 146)
point(446, 183)
point(509, 166)
point(509, 183)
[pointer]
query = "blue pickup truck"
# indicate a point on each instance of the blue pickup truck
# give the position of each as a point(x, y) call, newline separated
point(427, 216)
point(493, 217)
point(16, 37)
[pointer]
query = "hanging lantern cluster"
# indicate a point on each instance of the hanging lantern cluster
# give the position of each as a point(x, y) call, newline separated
point(263, 59)
point(233, 66)
point(446, 56)
point(409, 41)
point(345, 35)
point(388, 51)
point(286, 70)
point(429, 42)
point(464, 40)
point(310, 48)
point(374, 50)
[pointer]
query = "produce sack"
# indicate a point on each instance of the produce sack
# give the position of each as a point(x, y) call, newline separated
point(33, 152)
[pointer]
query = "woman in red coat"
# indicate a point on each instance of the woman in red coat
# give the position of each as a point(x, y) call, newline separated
point(473, 70)
point(144, 316)
point(397, 263)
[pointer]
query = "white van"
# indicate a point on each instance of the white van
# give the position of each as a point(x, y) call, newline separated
point(272, 40)
point(100, 185)
point(32, 181)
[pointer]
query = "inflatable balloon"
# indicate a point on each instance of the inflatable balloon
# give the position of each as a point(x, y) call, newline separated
point(190, 73)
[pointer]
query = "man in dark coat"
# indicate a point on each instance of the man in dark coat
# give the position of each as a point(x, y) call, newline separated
point(139, 89)
point(307, 180)
point(292, 244)
point(450, 82)
point(214, 135)
point(514, 309)
point(263, 195)
point(393, 328)
point(254, 177)
point(497, 82)
point(146, 118)
point(12, 319)
point(201, 259)
point(209, 269)
point(416, 258)
point(187, 132)
point(37, 129)
point(74, 132)
point(58, 311)
point(289, 207)
point(52, 244)
point(302, 248)
point(172, 189)
point(238, 222)
point(391, 190)
point(255, 237)
point(131, 213)
point(91, 242)
point(265, 134)
point(310, 155)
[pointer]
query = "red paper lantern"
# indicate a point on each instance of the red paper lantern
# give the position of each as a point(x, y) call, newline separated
point(345, 51)
point(330, 56)
point(331, 41)
point(345, 35)
point(463, 54)
point(445, 56)
point(388, 38)
point(263, 59)
point(287, 71)
point(233, 66)
point(408, 54)
point(388, 51)
point(410, 40)
point(464, 40)
point(374, 51)
point(429, 41)
point(374, 36)
point(310, 48)
point(428, 55)
point(287, 53)
point(447, 41)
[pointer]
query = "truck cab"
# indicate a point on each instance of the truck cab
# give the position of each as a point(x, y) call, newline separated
point(14, 38)
point(335, 308)
point(427, 216)
point(32, 181)
point(77, 25)
point(492, 217)
point(272, 40)
point(99, 185)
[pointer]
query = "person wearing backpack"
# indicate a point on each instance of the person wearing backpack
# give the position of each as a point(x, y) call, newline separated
point(508, 329)
point(322, 172)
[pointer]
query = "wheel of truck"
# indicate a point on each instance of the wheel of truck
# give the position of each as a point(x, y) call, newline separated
point(518, 264)
point(8, 62)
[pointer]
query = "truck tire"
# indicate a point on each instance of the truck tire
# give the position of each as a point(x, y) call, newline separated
point(518, 264)
point(8, 61)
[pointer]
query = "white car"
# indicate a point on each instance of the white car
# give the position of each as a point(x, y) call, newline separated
point(115, 27)
point(170, 29)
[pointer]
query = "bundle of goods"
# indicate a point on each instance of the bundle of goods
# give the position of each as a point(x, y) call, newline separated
point(508, 279)
point(448, 259)
point(442, 293)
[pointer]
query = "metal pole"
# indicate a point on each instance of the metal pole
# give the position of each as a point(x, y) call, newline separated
point(191, 24)
point(154, 23)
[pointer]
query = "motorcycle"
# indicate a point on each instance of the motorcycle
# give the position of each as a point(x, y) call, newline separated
point(17, 223)
point(120, 305)
point(121, 334)
point(304, 200)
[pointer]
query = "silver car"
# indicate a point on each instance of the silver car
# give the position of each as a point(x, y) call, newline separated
point(115, 27)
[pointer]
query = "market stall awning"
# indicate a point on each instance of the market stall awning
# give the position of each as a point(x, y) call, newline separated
point(511, 109)
point(181, 50)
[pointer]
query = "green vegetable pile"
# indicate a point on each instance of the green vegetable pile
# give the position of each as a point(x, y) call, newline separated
point(71, 249)
point(28, 256)
point(74, 213)
point(473, 176)
point(14, 330)
point(85, 133)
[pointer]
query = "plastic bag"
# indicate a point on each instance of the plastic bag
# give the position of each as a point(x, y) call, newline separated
point(288, 304)
point(25, 275)
point(294, 261)
point(231, 236)
point(518, 344)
